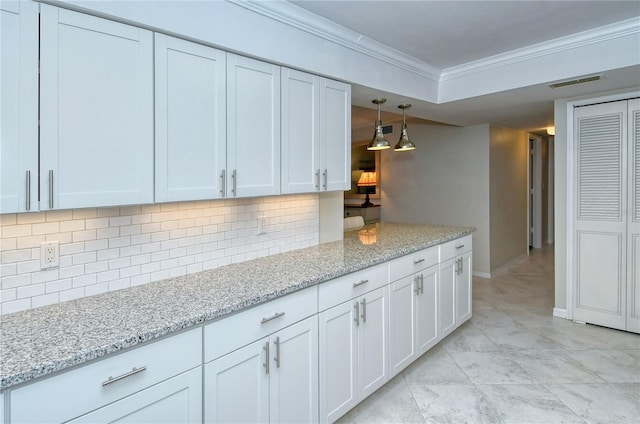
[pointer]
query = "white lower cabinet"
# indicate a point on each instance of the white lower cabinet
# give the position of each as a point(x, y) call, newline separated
point(455, 288)
point(447, 297)
point(413, 317)
point(353, 352)
point(274, 379)
point(177, 400)
point(157, 383)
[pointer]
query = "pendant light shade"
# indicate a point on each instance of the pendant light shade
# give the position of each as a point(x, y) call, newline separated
point(404, 144)
point(378, 142)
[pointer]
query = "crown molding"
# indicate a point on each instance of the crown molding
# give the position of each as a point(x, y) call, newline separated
point(297, 17)
point(581, 39)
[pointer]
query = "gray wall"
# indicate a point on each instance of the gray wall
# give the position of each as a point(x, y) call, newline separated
point(444, 181)
point(508, 158)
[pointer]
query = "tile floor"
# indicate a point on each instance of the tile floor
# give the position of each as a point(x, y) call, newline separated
point(513, 362)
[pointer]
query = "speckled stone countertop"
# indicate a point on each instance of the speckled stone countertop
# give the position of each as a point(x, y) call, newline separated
point(45, 340)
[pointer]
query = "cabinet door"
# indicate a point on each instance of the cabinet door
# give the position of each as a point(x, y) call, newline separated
point(19, 106)
point(427, 310)
point(447, 298)
point(300, 132)
point(335, 133)
point(253, 127)
point(236, 386)
point(464, 289)
point(372, 342)
point(176, 400)
point(338, 356)
point(402, 303)
point(190, 84)
point(294, 380)
point(96, 100)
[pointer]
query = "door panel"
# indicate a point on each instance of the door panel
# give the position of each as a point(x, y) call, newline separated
point(372, 353)
point(600, 220)
point(633, 249)
point(402, 304)
point(427, 311)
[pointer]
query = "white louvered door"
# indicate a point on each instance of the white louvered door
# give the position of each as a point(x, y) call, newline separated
point(600, 219)
point(633, 243)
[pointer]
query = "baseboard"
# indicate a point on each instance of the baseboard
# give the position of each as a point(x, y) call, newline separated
point(559, 313)
point(481, 274)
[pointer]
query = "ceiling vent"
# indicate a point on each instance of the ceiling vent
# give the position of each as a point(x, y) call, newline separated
point(576, 81)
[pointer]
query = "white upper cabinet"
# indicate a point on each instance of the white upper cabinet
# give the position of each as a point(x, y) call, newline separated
point(96, 136)
point(335, 133)
point(316, 133)
point(300, 132)
point(190, 122)
point(253, 127)
point(19, 108)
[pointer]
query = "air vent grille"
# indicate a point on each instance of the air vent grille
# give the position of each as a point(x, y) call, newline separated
point(576, 81)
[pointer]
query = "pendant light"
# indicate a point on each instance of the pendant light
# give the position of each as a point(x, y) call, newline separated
point(378, 142)
point(404, 144)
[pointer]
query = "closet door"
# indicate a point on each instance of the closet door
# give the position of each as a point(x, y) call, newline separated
point(600, 223)
point(633, 224)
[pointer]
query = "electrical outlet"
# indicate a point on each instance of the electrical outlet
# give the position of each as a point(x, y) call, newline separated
point(49, 254)
point(262, 225)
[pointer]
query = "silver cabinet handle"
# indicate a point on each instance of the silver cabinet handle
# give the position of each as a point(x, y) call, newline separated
point(223, 183)
point(233, 183)
point(357, 307)
point(276, 315)
point(364, 310)
point(417, 261)
point(416, 281)
point(421, 283)
point(318, 180)
point(324, 174)
point(360, 283)
point(460, 246)
point(277, 357)
point(51, 189)
point(266, 357)
point(125, 375)
point(28, 205)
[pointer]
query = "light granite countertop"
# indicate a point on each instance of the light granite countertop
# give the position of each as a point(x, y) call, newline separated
point(41, 341)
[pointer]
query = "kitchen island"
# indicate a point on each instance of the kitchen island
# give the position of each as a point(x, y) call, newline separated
point(47, 340)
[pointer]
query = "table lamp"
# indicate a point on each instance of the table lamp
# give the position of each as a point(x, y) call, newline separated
point(367, 179)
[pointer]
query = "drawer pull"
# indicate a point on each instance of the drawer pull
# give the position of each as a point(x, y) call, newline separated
point(125, 375)
point(276, 315)
point(417, 261)
point(460, 246)
point(360, 283)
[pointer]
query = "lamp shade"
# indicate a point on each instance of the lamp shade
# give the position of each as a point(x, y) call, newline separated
point(368, 179)
point(378, 142)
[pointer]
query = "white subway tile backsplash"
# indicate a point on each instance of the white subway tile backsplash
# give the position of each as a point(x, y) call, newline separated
point(104, 249)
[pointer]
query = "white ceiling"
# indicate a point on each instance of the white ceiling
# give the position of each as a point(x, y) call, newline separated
point(446, 34)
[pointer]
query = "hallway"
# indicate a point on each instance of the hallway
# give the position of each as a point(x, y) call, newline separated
point(513, 362)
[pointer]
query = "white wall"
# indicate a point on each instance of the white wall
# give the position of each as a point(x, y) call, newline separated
point(107, 249)
point(444, 181)
point(508, 194)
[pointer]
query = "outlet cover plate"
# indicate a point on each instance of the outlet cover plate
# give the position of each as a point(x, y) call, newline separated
point(49, 254)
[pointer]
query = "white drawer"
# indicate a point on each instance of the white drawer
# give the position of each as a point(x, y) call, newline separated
point(453, 248)
point(228, 334)
point(352, 285)
point(74, 393)
point(412, 263)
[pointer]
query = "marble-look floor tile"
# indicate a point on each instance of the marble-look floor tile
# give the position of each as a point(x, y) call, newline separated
point(519, 338)
point(598, 403)
point(492, 318)
point(554, 366)
point(614, 366)
point(491, 368)
point(393, 403)
point(536, 317)
point(631, 389)
point(527, 403)
point(575, 336)
point(468, 339)
point(435, 367)
point(454, 404)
